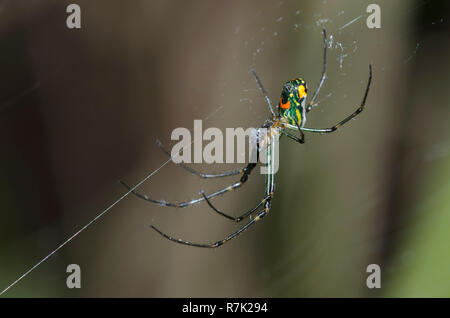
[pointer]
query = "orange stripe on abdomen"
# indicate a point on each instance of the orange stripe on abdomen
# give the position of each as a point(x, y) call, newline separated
point(286, 105)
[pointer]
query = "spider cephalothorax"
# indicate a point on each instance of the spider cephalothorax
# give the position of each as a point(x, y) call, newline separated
point(292, 101)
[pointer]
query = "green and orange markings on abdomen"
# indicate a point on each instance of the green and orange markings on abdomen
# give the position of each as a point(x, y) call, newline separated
point(292, 113)
point(286, 105)
point(292, 96)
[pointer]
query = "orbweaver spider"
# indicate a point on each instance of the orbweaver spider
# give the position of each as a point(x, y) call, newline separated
point(290, 115)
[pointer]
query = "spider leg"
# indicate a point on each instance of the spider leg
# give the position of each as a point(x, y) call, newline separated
point(302, 135)
point(345, 120)
point(260, 215)
point(246, 172)
point(324, 73)
point(263, 91)
point(197, 173)
point(184, 203)
point(239, 218)
point(300, 140)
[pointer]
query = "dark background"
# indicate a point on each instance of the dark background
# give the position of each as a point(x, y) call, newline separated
point(81, 110)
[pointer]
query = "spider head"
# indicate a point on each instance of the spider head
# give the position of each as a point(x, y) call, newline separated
point(292, 100)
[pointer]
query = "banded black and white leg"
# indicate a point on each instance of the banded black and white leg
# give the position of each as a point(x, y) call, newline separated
point(245, 174)
point(270, 187)
point(346, 119)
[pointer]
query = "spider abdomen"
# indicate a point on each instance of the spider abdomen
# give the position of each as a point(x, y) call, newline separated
point(292, 101)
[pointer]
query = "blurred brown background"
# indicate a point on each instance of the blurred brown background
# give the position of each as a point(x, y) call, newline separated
point(81, 110)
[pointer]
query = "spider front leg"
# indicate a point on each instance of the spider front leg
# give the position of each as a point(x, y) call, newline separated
point(324, 74)
point(345, 120)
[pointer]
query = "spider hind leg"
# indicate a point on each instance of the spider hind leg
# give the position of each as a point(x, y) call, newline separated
point(242, 216)
point(231, 236)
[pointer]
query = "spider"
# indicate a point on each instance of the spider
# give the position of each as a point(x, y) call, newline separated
point(290, 115)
